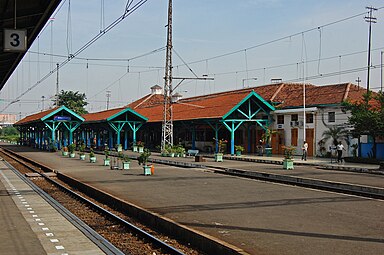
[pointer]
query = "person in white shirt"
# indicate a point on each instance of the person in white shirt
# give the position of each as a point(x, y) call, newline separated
point(305, 151)
point(340, 149)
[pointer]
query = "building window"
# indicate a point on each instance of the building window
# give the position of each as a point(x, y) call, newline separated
point(331, 117)
point(294, 117)
point(280, 119)
point(309, 118)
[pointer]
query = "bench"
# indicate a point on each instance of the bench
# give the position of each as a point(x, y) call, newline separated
point(192, 152)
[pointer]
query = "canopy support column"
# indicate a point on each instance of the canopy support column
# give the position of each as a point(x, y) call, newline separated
point(216, 128)
point(135, 126)
point(232, 129)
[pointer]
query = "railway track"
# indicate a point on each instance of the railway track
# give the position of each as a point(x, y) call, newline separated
point(111, 230)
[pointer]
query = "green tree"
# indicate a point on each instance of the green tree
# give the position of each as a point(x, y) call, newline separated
point(336, 134)
point(367, 116)
point(9, 131)
point(73, 100)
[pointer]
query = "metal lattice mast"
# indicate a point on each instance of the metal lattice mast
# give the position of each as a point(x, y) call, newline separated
point(167, 126)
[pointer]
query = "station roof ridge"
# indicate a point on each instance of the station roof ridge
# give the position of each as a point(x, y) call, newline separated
point(45, 115)
point(216, 105)
point(35, 116)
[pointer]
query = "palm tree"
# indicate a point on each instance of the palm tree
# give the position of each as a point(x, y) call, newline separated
point(336, 134)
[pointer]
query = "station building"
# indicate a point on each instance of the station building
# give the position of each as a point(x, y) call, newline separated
point(241, 117)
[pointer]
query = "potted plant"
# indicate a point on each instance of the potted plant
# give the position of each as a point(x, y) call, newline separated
point(143, 160)
point(81, 151)
point(107, 159)
point(239, 149)
point(288, 156)
point(134, 147)
point(267, 139)
point(126, 161)
point(71, 149)
point(64, 151)
point(221, 147)
point(180, 150)
point(166, 152)
point(140, 146)
point(92, 156)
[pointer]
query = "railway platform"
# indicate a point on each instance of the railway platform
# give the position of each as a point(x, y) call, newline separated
point(29, 225)
point(256, 216)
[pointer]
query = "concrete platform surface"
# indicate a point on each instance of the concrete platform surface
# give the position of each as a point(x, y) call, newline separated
point(29, 225)
point(259, 217)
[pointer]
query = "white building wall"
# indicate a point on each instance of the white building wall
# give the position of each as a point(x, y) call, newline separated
point(320, 124)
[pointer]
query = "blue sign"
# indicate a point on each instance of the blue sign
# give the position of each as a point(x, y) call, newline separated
point(62, 118)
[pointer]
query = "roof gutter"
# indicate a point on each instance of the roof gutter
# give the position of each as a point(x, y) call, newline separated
point(311, 109)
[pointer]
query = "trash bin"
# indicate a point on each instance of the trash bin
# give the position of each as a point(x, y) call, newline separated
point(268, 152)
point(152, 169)
point(199, 158)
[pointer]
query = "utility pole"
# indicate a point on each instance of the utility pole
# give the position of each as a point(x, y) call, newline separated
point(381, 71)
point(370, 19)
point(167, 125)
point(42, 103)
point(358, 81)
point(108, 95)
point(57, 84)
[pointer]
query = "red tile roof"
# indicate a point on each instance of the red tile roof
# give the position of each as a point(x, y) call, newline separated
point(100, 116)
point(216, 105)
point(35, 117)
point(288, 95)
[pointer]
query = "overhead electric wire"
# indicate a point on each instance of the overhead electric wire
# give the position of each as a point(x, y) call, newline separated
point(295, 63)
point(281, 38)
point(84, 47)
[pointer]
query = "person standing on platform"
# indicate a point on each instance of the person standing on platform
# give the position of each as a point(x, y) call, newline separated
point(340, 149)
point(305, 151)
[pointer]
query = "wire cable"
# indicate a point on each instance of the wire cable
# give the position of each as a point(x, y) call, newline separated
point(84, 47)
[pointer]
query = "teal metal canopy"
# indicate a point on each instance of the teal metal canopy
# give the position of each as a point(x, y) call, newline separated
point(134, 116)
point(126, 116)
point(62, 111)
point(247, 108)
point(62, 116)
point(250, 109)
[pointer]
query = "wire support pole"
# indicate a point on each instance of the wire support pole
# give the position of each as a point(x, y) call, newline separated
point(57, 84)
point(370, 19)
point(167, 125)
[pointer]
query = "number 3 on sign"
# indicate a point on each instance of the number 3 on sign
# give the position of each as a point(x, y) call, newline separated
point(15, 40)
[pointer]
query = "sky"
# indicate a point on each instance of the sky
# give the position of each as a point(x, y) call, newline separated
point(237, 43)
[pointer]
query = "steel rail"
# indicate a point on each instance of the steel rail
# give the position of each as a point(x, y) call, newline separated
point(157, 242)
point(91, 234)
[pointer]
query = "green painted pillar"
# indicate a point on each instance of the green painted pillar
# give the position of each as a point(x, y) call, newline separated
point(233, 138)
point(134, 133)
point(70, 137)
point(118, 136)
point(216, 139)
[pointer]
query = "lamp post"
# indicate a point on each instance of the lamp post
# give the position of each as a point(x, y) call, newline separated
point(248, 79)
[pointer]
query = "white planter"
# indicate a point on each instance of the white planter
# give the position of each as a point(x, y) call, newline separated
point(126, 165)
point(147, 170)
